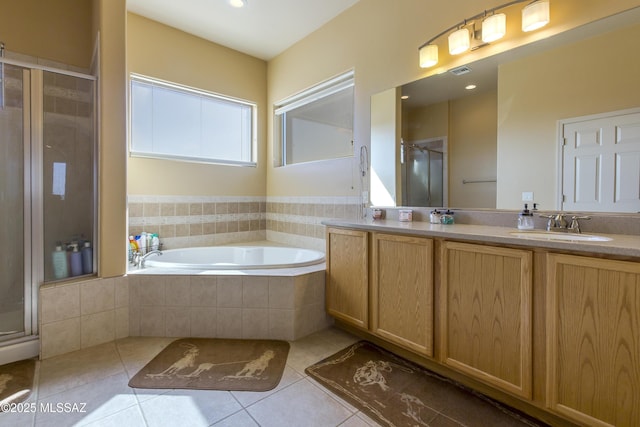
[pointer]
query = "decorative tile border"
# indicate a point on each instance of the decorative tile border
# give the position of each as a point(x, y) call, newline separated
point(297, 221)
point(189, 221)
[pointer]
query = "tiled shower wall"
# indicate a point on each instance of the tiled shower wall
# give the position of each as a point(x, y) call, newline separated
point(188, 221)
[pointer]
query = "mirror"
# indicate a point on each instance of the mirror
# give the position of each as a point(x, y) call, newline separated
point(490, 147)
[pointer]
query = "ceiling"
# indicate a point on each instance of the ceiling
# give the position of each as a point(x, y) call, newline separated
point(263, 28)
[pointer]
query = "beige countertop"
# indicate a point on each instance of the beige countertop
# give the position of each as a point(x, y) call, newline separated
point(619, 245)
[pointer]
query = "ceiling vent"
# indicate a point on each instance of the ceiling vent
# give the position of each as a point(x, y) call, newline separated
point(460, 70)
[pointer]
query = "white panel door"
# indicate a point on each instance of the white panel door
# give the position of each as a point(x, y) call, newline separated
point(601, 163)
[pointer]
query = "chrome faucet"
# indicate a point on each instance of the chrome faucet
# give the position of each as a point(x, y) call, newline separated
point(558, 222)
point(574, 227)
point(139, 259)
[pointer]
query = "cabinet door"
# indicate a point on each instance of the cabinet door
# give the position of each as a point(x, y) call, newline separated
point(593, 340)
point(402, 291)
point(347, 276)
point(486, 314)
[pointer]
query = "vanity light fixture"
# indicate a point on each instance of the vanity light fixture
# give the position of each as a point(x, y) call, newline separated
point(535, 15)
point(459, 41)
point(494, 26)
point(428, 55)
point(238, 3)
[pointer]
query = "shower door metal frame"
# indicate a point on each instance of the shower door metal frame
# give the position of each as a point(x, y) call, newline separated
point(33, 125)
point(30, 304)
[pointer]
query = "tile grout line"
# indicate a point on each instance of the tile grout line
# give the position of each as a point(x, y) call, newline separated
point(133, 391)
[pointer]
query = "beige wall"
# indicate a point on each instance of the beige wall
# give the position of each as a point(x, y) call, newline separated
point(159, 51)
point(427, 122)
point(109, 17)
point(589, 77)
point(380, 39)
point(472, 150)
point(384, 162)
point(55, 30)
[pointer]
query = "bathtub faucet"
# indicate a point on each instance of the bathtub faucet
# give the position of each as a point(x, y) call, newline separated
point(139, 259)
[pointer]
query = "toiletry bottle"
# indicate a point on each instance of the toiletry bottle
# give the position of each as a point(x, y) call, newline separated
point(525, 219)
point(138, 244)
point(142, 243)
point(447, 217)
point(87, 258)
point(133, 247)
point(155, 242)
point(434, 217)
point(59, 260)
point(75, 261)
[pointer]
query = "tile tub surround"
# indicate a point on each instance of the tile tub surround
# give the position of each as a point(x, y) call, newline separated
point(297, 221)
point(80, 314)
point(227, 305)
point(190, 221)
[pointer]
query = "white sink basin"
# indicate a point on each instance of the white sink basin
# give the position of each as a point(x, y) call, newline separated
point(565, 237)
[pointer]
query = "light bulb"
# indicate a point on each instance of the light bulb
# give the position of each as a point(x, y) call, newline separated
point(238, 3)
point(428, 56)
point(494, 27)
point(535, 15)
point(459, 41)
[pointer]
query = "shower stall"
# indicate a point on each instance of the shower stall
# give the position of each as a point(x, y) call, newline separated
point(47, 189)
point(423, 172)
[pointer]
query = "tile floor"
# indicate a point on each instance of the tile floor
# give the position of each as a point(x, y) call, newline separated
point(98, 376)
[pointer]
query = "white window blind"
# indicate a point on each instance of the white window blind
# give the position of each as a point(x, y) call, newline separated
point(181, 123)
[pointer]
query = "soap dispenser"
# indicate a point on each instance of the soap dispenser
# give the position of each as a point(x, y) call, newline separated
point(525, 219)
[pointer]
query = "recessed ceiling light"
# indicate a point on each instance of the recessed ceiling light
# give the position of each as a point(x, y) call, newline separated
point(238, 3)
point(404, 97)
point(470, 87)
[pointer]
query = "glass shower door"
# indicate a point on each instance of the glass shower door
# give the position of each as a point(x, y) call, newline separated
point(68, 167)
point(14, 227)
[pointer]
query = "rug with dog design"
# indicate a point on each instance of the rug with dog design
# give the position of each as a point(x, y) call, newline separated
point(16, 382)
point(216, 364)
point(396, 392)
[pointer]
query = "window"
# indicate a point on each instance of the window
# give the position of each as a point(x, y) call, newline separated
point(316, 124)
point(176, 122)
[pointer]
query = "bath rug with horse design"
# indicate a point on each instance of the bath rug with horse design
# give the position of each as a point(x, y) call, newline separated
point(216, 364)
point(16, 382)
point(396, 392)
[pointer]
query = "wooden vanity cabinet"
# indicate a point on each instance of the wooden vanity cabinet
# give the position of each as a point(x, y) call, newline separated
point(402, 291)
point(486, 314)
point(593, 340)
point(347, 280)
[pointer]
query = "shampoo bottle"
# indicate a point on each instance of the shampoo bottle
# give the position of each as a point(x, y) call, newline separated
point(142, 243)
point(59, 260)
point(133, 247)
point(87, 258)
point(75, 261)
